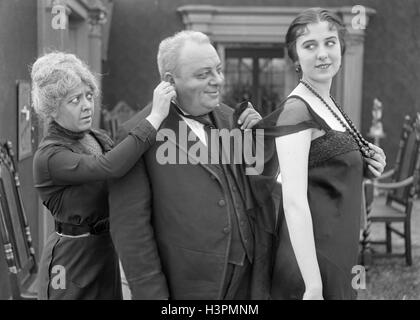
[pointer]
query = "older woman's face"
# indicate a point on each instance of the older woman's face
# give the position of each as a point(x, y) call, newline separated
point(319, 52)
point(76, 109)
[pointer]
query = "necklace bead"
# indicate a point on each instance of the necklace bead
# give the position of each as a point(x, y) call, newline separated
point(364, 148)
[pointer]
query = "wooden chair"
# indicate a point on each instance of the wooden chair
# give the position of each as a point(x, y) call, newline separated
point(401, 191)
point(14, 229)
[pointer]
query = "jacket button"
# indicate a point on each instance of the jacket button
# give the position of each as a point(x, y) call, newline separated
point(226, 230)
point(222, 203)
point(242, 223)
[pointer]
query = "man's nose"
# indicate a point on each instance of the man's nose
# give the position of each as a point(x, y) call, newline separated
point(217, 79)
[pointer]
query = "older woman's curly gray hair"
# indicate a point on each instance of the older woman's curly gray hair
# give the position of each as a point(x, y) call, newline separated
point(53, 76)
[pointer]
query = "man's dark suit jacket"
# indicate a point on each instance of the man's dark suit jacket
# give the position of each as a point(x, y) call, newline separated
point(168, 222)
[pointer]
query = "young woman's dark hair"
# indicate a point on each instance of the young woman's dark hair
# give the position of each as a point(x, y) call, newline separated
point(313, 15)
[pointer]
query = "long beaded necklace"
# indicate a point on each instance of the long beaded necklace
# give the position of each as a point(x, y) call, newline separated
point(364, 148)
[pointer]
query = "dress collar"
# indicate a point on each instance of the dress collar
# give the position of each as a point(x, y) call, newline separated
point(55, 128)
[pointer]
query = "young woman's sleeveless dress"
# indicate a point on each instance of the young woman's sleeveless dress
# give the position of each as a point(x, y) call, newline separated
point(335, 173)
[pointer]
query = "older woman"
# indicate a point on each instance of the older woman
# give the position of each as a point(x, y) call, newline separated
point(321, 156)
point(71, 166)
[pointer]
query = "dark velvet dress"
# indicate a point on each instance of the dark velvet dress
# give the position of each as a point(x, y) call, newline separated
point(335, 173)
point(71, 181)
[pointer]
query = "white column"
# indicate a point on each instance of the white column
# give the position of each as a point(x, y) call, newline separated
point(352, 79)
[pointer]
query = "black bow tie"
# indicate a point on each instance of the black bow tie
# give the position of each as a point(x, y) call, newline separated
point(204, 119)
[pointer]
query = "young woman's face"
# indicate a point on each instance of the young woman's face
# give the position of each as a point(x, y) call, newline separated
point(76, 109)
point(319, 52)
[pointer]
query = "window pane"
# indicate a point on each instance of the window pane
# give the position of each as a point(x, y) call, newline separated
point(271, 83)
point(264, 87)
point(238, 80)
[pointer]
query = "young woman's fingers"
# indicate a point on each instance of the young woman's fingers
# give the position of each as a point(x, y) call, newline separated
point(244, 115)
point(377, 149)
point(251, 123)
point(374, 171)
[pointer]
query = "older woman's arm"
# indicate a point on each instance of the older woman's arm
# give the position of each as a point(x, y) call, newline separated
point(68, 167)
point(293, 153)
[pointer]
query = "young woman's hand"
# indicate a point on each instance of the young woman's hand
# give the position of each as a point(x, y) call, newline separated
point(162, 96)
point(377, 163)
point(249, 118)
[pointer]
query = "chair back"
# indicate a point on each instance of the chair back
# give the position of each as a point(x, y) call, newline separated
point(14, 228)
point(407, 163)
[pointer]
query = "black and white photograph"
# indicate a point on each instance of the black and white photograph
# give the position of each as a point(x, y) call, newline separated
point(230, 154)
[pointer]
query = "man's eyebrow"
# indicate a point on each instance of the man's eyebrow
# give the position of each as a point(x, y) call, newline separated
point(209, 68)
point(204, 69)
point(220, 65)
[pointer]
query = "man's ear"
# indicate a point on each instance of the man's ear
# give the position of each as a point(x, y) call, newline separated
point(168, 77)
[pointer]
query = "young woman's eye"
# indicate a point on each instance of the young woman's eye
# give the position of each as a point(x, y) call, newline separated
point(330, 43)
point(89, 96)
point(310, 46)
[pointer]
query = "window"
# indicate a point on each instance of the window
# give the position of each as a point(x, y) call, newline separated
point(256, 74)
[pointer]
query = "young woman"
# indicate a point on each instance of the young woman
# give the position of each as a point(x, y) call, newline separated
point(322, 157)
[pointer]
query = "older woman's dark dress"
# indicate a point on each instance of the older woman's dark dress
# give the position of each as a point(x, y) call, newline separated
point(70, 173)
point(335, 173)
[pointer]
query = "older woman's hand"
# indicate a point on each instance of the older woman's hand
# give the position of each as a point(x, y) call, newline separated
point(249, 118)
point(162, 96)
point(377, 163)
